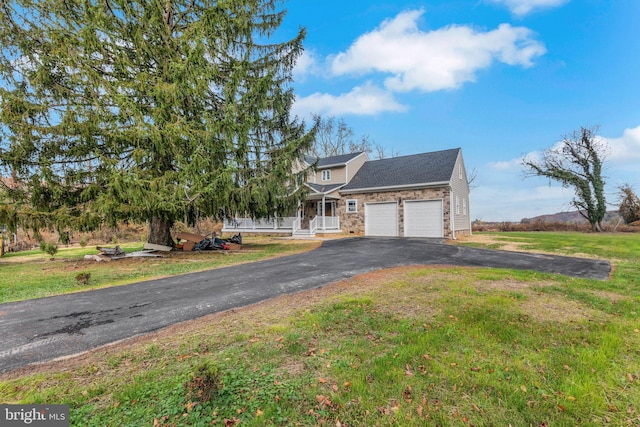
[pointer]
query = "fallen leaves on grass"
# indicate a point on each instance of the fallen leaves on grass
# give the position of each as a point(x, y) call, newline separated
point(323, 400)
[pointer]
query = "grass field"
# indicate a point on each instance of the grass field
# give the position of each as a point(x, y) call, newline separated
point(435, 346)
point(34, 274)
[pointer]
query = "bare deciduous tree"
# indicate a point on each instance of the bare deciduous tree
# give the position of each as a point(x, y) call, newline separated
point(381, 152)
point(629, 204)
point(335, 137)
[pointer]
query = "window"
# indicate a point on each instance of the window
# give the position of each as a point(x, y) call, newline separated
point(326, 175)
point(460, 171)
point(457, 205)
point(352, 206)
point(464, 207)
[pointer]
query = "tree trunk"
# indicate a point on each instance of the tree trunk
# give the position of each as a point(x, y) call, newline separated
point(160, 231)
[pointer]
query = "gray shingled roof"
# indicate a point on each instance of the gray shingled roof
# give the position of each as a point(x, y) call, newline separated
point(422, 168)
point(332, 161)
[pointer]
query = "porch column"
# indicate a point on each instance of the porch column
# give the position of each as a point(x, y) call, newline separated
point(323, 212)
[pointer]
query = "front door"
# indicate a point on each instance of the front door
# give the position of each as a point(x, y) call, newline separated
point(329, 208)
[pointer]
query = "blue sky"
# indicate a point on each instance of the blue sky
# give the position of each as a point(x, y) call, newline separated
point(501, 79)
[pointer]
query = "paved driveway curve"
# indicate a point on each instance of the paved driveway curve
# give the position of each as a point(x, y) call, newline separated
point(43, 329)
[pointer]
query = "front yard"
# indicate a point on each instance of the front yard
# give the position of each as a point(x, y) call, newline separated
point(33, 274)
point(402, 347)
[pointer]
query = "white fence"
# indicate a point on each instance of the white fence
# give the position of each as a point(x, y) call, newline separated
point(328, 222)
point(285, 224)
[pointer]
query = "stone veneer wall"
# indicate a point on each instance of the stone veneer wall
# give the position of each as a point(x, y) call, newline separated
point(310, 212)
point(353, 223)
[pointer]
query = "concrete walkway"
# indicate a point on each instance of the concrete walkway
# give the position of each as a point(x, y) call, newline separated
point(43, 329)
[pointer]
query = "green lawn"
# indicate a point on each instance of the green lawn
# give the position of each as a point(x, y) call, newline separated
point(416, 346)
point(33, 274)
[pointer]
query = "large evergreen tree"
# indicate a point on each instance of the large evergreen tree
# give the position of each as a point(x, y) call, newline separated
point(158, 110)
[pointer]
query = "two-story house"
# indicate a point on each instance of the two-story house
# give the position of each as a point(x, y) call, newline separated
point(421, 195)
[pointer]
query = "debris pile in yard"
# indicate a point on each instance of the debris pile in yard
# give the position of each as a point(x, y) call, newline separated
point(198, 242)
point(109, 254)
point(189, 242)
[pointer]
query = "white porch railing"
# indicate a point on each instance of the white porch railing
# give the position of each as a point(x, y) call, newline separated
point(285, 224)
point(328, 222)
point(281, 225)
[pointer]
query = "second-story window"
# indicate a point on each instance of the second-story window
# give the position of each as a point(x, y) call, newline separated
point(326, 175)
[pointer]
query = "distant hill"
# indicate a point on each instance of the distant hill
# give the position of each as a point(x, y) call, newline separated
point(573, 217)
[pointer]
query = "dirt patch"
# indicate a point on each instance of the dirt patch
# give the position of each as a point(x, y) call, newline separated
point(496, 242)
point(612, 297)
point(388, 284)
point(493, 240)
point(509, 285)
point(293, 367)
point(542, 307)
point(552, 308)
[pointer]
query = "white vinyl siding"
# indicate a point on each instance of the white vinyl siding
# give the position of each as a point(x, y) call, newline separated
point(423, 218)
point(460, 196)
point(381, 219)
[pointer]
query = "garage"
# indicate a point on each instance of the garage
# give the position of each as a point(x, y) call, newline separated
point(381, 219)
point(423, 218)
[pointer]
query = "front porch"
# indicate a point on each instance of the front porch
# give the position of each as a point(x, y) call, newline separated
point(294, 226)
point(315, 215)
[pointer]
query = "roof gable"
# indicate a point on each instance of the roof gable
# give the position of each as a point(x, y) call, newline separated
point(324, 188)
point(332, 161)
point(425, 168)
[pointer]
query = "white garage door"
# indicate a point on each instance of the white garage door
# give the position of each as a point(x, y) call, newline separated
point(381, 219)
point(423, 218)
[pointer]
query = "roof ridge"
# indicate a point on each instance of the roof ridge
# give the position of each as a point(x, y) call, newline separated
point(415, 155)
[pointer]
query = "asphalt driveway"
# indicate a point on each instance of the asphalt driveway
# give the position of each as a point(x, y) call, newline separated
point(44, 329)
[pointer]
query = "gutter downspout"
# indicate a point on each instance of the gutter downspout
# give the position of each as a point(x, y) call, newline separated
point(452, 214)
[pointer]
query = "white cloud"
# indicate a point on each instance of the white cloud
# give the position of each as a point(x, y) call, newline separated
point(514, 164)
point(523, 7)
point(362, 100)
point(306, 65)
point(625, 149)
point(440, 59)
point(508, 165)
